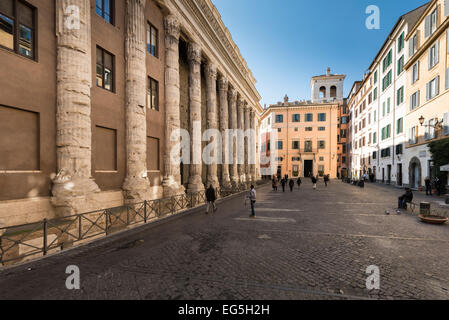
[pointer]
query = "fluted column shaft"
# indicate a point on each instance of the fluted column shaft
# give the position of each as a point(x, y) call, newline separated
point(194, 57)
point(136, 185)
point(233, 144)
point(223, 87)
point(212, 119)
point(172, 176)
point(73, 184)
point(241, 141)
point(247, 127)
point(252, 148)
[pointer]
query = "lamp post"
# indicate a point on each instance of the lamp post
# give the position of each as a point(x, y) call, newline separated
point(438, 124)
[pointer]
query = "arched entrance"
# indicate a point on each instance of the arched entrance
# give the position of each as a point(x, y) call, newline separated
point(415, 173)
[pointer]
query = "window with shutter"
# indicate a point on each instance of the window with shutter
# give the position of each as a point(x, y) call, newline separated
point(446, 124)
point(447, 78)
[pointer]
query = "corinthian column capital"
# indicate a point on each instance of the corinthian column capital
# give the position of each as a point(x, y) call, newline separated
point(172, 26)
point(194, 53)
point(232, 95)
point(211, 70)
point(223, 83)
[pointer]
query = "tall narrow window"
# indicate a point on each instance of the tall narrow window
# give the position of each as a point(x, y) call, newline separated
point(104, 9)
point(153, 94)
point(105, 69)
point(152, 40)
point(17, 27)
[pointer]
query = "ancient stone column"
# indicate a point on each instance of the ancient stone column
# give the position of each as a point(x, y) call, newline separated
point(136, 185)
point(247, 127)
point(252, 148)
point(172, 175)
point(241, 141)
point(212, 120)
point(73, 187)
point(194, 58)
point(232, 93)
point(223, 86)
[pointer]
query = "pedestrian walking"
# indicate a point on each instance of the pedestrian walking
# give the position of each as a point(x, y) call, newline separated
point(314, 181)
point(326, 179)
point(283, 183)
point(211, 197)
point(299, 182)
point(291, 185)
point(437, 183)
point(252, 199)
point(428, 183)
point(276, 184)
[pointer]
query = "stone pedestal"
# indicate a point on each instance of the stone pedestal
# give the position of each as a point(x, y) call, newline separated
point(212, 121)
point(73, 187)
point(172, 176)
point(194, 57)
point(136, 186)
point(223, 86)
point(233, 144)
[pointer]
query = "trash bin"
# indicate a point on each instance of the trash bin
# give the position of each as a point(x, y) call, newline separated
point(424, 208)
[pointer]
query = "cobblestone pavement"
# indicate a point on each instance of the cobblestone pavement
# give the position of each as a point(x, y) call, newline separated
point(302, 245)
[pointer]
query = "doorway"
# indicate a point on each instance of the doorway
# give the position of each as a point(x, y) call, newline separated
point(308, 168)
point(399, 175)
point(389, 174)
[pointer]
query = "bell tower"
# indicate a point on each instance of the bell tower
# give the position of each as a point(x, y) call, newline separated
point(327, 87)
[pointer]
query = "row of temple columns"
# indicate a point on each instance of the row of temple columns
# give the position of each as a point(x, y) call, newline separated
point(73, 186)
point(234, 114)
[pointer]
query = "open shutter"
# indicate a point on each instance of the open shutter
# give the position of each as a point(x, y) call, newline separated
point(428, 91)
point(446, 123)
point(437, 51)
point(447, 79)
point(427, 27)
point(437, 86)
point(410, 46)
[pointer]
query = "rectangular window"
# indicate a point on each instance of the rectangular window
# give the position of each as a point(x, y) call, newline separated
point(375, 137)
point(105, 69)
point(17, 27)
point(413, 45)
point(401, 42)
point(433, 55)
point(309, 117)
point(400, 65)
point(383, 109)
point(321, 144)
point(279, 118)
point(388, 105)
point(104, 9)
point(400, 126)
point(308, 146)
point(321, 128)
point(375, 94)
point(399, 149)
point(153, 94)
point(321, 117)
point(400, 96)
point(152, 40)
point(375, 76)
point(375, 116)
point(386, 81)
point(414, 100)
point(387, 61)
point(309, 129)
point(295, 145)
point(433, 88)
point(415, 72)
point(295, 118)
point(280, 145)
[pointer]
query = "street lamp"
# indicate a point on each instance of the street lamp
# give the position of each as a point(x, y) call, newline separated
point(437, 125)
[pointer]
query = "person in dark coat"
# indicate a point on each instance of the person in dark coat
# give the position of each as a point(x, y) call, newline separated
point(428, 183)
point(326, 179)
point(210, 198)
point(314, 181)
point(283, 183)
point(406, 197)
point(437, 183)
point(291, 184)
point(299, 182)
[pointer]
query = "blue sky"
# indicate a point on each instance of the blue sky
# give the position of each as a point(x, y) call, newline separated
point(286, 42)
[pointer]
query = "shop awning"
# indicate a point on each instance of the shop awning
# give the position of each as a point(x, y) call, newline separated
point(444, 168)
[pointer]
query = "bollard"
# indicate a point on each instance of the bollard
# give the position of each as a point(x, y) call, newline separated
point(424, 208)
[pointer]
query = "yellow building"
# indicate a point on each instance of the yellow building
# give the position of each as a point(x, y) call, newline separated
point(304, 134)
point(427, 93)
